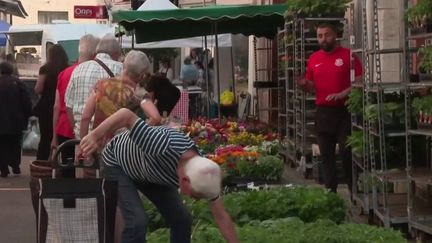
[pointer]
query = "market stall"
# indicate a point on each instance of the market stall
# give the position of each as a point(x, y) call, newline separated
point(157, 25)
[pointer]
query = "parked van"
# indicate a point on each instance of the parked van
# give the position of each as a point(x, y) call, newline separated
point(30, 43)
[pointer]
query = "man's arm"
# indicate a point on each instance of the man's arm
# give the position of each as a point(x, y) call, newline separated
point(345, 92)
point(70, 116)
point(223, 219)
point(306, 85)
point(120, 119)
point(69, 99)
point(88, 112)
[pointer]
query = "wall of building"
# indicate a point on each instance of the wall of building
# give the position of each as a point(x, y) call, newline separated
point(42, 9)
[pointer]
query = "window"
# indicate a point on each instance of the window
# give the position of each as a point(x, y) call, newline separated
point(46, 17)
point(71, 48)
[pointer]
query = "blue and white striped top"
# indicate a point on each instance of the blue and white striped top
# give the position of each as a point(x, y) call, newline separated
point(147, 153)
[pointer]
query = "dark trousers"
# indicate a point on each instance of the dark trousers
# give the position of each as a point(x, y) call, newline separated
point(46, 133)
point(10, 152)
point(68, 153)
point(167, 200)
point(333, 126)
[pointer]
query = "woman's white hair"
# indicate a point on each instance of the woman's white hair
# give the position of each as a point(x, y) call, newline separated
point(205, 177)
point(136, 63)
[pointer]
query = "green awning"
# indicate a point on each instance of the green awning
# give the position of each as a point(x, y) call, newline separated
point(156, 25)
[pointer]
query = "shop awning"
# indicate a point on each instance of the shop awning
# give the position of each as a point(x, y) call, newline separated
point(258, 20)
point(13, 7)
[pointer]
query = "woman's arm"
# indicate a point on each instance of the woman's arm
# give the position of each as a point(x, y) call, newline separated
point(39, 86)
point(170, 74)
point(56, 112)
point(88, 112)
point(151, 112)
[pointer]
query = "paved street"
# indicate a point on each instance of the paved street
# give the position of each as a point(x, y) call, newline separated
point(17, 218)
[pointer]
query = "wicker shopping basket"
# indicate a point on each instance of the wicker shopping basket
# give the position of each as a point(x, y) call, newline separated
point(41, 169)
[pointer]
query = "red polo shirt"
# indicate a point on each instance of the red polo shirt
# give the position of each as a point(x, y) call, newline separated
point(63, 127)
point(331, 73)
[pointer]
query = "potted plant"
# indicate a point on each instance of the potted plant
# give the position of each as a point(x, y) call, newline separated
point(426, 58)
point(355, 105)
point(317, 8)
point(419, 17)
point(423, 111)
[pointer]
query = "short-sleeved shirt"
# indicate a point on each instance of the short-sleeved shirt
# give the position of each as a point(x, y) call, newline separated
point(82, 82)
point(45, 104)
point(148, 153)
point(332, 74)
point(63, 127)
point(111, 95)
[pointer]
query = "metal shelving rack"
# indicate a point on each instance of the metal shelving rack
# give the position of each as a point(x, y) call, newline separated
point(360, 162)
point(284, 129)
point(419, 173)
point(389, 208)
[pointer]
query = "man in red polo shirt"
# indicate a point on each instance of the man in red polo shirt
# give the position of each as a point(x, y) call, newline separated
point(329, 74)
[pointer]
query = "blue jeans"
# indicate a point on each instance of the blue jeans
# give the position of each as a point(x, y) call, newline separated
point(165, 198)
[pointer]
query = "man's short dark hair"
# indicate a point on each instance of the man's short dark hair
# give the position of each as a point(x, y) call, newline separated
point(337, 27)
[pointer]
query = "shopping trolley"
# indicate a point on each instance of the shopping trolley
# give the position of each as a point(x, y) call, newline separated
point(74, 209)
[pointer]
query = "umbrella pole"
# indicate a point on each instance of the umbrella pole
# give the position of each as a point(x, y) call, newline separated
point(207, 76)
point(217, 71)
point(233, 75)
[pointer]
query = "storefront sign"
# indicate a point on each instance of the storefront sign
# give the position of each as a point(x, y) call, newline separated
point(90, 12)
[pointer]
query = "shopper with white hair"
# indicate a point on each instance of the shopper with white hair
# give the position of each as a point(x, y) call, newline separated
point(86, 74)
point(156, 160)
point(111, 94)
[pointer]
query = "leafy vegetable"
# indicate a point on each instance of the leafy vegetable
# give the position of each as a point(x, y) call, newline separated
point(293, 230)
point(305, 202)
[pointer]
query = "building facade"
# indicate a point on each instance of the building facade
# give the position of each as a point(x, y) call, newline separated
point(45, 11)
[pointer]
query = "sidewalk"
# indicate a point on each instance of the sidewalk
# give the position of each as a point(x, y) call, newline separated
point(17, 219)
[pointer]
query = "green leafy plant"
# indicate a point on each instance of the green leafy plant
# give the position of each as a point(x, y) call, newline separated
point(426, 53)
point(317, 8)
point(423, 104)
point(356, 142)
point(393, 113)
point(419, 14)
point(355, 101)
point(267, 167)
point(293, 230)
point(305, 202)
